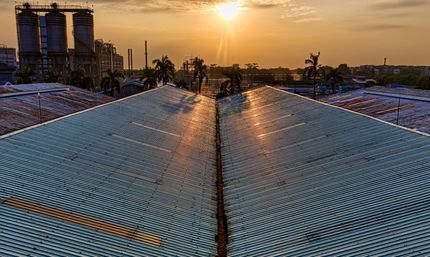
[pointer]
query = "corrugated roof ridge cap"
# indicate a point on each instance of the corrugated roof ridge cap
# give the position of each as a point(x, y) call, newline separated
point(73, 114)
point(353, 112)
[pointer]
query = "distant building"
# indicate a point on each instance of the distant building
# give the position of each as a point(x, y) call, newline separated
point(42, 38)
point(8, 56)
point(107, 58)
point(8, 64)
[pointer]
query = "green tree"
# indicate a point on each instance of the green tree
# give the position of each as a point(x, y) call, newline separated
point(149, 78)
point(25, 75)
point(314, 71)
point(111, 82)
point(79, 78)
point(344, 69)
point(52, 76)
point(200, 72)
point(334, 78)
point(164, 69)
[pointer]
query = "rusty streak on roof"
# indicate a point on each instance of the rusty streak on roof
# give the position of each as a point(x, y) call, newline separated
point(82, 220)
point(413, 113)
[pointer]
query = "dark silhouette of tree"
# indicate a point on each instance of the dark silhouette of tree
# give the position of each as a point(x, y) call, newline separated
point(25, 75)
point(200, 72)
point(334, 78)
point(182, 84)
point(52, 76)
point(314, 71)
point(164, 69)
point(149, 78)
point(233, 83)
point(111, 82)
point(79, 78)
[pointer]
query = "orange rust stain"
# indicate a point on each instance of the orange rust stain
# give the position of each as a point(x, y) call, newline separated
point(394, 109)
point(81, 220)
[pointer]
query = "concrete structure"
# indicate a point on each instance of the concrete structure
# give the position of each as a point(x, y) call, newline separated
point(83, 31)
point(107, 58)
point(57, 41)
point(42, 37)
point(28, 37)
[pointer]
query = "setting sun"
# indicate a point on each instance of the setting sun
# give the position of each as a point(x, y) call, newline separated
point(229, 10)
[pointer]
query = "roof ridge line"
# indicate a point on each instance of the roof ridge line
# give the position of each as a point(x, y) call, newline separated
point(353, 112)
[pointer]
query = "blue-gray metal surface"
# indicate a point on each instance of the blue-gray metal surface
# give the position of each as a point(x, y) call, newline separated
point(306, 179)
point(145, 163)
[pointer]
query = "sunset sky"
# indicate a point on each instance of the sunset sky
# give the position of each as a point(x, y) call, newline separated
point(271, 33)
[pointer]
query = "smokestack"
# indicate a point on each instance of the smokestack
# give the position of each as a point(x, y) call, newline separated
point(146, 54)
point(130, 61)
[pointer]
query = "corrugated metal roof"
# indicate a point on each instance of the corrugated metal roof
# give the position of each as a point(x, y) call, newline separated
point(23, 111)
point(132, 178)
point(306, 179)
point(413, 113)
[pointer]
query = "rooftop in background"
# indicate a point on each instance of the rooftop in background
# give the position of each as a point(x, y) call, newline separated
point(19, 104)
point(383, 103)
point(303, 178)
point(134, 177)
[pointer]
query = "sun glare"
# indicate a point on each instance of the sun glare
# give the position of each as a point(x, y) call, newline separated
point(228, 10)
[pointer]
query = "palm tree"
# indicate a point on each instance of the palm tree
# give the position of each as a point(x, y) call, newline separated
point(334, 77)
point(314, 71)
point(200, 72)
point(25, 75)
point(79, 78)
point(164, 69)
point(111, 82)
point(234, 80)
point(149, 78)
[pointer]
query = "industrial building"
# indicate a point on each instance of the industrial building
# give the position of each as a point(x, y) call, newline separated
point(8, 56)
point(42, 37)
point(147, 175)
point(7, 64)
point(107, 58)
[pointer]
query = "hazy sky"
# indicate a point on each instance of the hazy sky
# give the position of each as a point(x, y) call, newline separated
point(270, 32)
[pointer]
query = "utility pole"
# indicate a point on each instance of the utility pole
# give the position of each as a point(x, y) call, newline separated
point(40, 107)
point(398, 112)
point(146, 54)
point(111, 55)
point(131, 62)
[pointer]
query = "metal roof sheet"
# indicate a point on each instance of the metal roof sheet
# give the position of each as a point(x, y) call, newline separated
point(56, 100)
point(131, 178)
point(306, 179)
point(383, 104)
